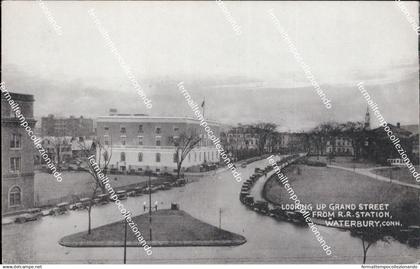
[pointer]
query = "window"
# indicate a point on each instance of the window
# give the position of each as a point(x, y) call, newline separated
point(15, 196)
point(122, 156)
point(176, 129)
point(12, 113)
point(158, 141)
point(158, 157)
point(106, 142)
point(106, 128)
point(140, 128)
point(175, 157)
point(123, 141)
point(123, 130)
point(140, 140)
point(15, 164)
point(15, 141)
point(140, 157)
point(158, 130)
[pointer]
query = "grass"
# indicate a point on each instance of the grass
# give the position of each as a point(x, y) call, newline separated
point(316, 185)
point(170, 228)
point(399, 173)
point(76, 185)
point(345, 161)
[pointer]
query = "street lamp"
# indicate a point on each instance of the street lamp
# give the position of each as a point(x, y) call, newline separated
point(149, 173)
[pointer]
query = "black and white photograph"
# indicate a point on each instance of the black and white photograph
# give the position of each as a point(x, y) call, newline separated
point(176, 133)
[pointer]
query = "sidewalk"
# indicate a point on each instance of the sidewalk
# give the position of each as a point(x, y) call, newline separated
point(368, 172)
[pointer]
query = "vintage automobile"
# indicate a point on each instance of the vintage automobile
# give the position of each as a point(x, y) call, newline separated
point(60, 209)
point(248, 200)
point(261, 206)
point(122, 194)
point(27, 217)
point(102, 199)
point(83, 203)
point(243, 165)
point(36, 211)
point(138, 191)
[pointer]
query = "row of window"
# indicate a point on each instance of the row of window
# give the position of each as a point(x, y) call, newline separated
point(205, 156)
point(123, 129)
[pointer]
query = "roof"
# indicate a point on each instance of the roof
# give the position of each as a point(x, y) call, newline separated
point(161, 119)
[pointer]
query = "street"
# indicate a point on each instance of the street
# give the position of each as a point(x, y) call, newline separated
point(268, 240)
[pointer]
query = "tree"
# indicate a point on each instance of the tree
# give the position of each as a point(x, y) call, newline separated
point(264, 131)
point(104, 155)
point(183, 143)
point(356, 132)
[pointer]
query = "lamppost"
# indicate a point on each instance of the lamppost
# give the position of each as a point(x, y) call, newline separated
point(149, 173)
point(125, 241)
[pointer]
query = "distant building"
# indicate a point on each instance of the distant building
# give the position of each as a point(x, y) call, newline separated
point(17, 159)
point(140, 142)
point(293, 142)
point(241, 142)
point(379, 148)
point(72, 126)
point(340, 146)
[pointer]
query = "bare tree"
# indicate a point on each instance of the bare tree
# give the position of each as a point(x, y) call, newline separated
point(264, 131)
point(104, 157)
point(183, 143)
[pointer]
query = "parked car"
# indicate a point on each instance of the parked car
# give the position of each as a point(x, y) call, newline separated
point(85, 202)
point(131, 193)
point(103, 198)
point(122, 194)
point(261, 206)
point(243, 165)
point(138, 191)
point(26, 217)
point(35, 211)
point(248, 200)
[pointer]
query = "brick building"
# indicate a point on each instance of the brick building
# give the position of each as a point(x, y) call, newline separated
point(17, 158)
point(140, 142)
point(72, 126)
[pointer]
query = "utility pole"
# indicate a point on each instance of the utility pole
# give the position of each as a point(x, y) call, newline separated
point(125, 241)
point(150, 207)
point(220, 218)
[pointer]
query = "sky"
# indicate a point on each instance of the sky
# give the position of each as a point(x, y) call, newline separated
point(243, 78)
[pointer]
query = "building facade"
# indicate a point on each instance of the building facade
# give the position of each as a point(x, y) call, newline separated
point(141, 142)
point(72, 126)
point(17, 158)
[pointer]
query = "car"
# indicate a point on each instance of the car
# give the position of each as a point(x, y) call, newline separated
point(26, 217)
point(138, 191)
point(102, 199)
point(85, 200)
point(248, 200)
point(36, 211)
point(122, 194)
point(131, 193)
point(261, 206)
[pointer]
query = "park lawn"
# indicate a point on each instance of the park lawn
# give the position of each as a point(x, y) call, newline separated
point(75, 185)
point(317, 185)
point(398, 173)
point(345, 161)
point(170, 228)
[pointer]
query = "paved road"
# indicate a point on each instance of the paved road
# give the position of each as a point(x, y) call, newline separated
point(368, 172)
point(268, 240)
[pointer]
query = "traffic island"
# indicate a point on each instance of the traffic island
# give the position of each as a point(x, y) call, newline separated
point(170, 228)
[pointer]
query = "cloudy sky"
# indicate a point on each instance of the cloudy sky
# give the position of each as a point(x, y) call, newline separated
point(244, 78)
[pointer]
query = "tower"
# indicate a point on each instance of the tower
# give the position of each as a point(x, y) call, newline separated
point(367, 119)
